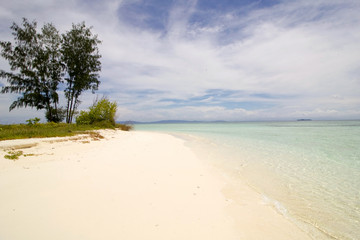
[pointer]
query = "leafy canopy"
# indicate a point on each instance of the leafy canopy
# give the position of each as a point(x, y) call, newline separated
point(40, 61)
point(35, 65)
point(102, 111)
point(81, 56)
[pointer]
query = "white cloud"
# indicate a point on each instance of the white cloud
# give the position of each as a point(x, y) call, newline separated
point(306, 50)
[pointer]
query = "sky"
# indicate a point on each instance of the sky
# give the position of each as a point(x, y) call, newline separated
point(211, 60)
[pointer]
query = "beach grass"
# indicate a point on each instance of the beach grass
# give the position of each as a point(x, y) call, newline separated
point(40, 130)
point(13, 155)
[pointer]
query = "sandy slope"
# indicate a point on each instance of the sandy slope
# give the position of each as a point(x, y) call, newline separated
point(130, 185)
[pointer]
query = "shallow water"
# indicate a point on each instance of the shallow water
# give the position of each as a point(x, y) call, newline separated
point(309, 171)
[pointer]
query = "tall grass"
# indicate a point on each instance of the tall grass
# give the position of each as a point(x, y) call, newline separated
point(19, 131)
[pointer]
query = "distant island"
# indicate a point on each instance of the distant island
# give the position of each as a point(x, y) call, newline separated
point(171, 121)
point(187, 121)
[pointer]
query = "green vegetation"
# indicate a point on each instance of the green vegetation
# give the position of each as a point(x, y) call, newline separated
point(101, 113)
point(13, 155)
point(19, 131)
point(81, 56)
point(100, 116)
point(35, 65)
point(42, 60)
point(33, 121)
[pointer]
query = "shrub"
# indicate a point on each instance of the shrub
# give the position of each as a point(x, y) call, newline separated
point(124, 127)
point(83, 118)
point(33, 121)
point(101, 113)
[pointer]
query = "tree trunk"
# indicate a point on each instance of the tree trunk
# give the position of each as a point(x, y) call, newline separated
point(48, 106)
point(74, 103)
point(68, 109)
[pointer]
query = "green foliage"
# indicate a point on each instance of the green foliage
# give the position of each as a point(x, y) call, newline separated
point(13, 155)
point(55, 115)
point(81, 56)
point(101, 114)
point(39, 61)
point(83, 118)
point(33, 121)
point(35, 65)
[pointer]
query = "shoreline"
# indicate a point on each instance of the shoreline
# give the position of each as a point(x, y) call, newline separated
point(129, 185)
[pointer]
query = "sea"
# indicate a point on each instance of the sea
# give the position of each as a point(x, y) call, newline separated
point(309, 171)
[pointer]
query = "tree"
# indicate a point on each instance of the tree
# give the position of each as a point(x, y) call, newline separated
point(38, 62)
point(102, 112)
point(54, 68)
point(35, 66)
point(81, 56)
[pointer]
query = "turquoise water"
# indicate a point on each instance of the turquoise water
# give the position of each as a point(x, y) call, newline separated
point(309, 171)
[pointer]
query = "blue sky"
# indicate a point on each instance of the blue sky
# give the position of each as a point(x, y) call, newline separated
point(212, 59)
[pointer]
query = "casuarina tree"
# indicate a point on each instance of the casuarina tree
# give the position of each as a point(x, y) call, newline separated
point(39, 62)
point(36, 69)
point(80, 55)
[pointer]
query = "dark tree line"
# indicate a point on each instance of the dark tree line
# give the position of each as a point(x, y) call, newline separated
point(40, 62)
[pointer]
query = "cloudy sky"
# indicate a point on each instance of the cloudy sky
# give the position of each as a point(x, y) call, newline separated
point(212, 59)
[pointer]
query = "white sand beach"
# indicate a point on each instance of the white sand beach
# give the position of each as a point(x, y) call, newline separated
point(128, 185)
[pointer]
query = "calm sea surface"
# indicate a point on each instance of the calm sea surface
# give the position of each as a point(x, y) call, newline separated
point(309, 171)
